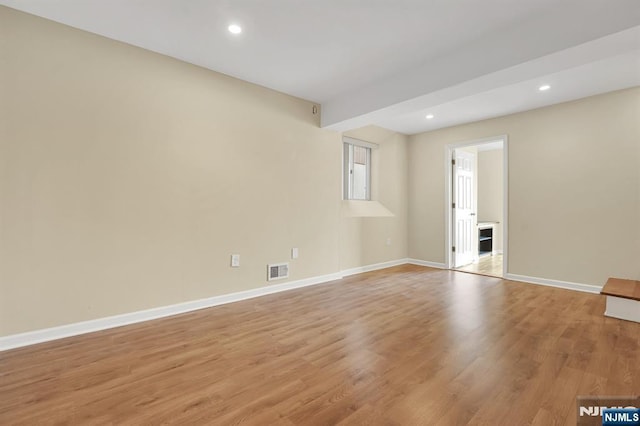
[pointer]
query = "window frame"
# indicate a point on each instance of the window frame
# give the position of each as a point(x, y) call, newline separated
point(348, 166)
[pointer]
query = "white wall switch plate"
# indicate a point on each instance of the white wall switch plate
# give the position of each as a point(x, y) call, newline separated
point(235, 260)
point(294, 253)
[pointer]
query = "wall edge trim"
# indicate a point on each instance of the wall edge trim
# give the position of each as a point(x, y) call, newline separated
point(13, 341)
point(18, 340)
point(586, 288)
point(373, 267)
point(427, 263)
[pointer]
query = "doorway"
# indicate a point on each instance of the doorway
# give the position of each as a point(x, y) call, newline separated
point(477, 206)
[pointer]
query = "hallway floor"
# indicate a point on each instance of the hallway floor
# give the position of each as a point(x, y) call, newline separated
point(487, 265)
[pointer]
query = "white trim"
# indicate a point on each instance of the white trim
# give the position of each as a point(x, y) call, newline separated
point(587, 288)
point(621, 308)
point(68, 330)
point(359, 142)
point(448, 200)
point(427, 263)
point(348, 168)
point(505, 206)
point(53, 333)
point(374, 267)
point(448, 156)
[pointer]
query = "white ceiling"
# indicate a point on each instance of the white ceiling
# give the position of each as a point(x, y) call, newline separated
point(386, 62)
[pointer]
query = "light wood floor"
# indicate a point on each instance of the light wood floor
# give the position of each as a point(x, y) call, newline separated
point(403, 346)
point(487, 265)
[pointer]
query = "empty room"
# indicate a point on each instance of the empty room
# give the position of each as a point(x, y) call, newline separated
point(331, 212)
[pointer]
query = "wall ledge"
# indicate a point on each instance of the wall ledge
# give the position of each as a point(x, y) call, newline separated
point(361, 208)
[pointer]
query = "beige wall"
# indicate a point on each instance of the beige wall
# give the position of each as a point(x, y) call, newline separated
point(574, 188)
point(490, 193)
point(128, 178)
point(364, 240)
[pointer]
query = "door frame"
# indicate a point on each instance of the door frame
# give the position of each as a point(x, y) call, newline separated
point(448, 215)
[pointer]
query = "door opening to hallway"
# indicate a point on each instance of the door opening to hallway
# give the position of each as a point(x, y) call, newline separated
point(476, 226)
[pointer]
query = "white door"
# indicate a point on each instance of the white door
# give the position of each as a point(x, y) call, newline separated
point(464, 219)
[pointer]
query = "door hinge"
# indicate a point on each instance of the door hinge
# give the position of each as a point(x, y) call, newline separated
point(453, 161)
point(453, 205)
point(453, 249)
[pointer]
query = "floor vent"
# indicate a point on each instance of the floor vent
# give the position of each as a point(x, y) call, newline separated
point(277, 271)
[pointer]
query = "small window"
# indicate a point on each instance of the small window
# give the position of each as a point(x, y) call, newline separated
point(357, 171)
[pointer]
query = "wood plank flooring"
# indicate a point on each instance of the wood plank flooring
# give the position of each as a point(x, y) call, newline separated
point(487, 265)
point(402, 346)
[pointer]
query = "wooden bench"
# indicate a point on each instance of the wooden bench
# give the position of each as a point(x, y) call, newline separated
point(623, 299)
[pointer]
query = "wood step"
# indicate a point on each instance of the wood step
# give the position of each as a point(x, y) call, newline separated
point(623, 299)
point(618, 287)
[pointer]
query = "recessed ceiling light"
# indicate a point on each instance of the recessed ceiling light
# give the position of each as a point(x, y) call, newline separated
point(430, 116)
point(234, 29)
point(544, 87)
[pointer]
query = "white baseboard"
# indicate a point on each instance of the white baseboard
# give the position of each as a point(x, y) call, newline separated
point(427, 263)
point(60, 332)
point(373, 267)
point(626, 309)
point(587, 288)
point(53, 333)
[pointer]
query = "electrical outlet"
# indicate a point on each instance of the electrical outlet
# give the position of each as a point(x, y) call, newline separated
point(389, 241)
point(294, 253)
point(235, 260)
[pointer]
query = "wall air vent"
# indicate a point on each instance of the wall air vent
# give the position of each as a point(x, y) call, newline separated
point(277, 271)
